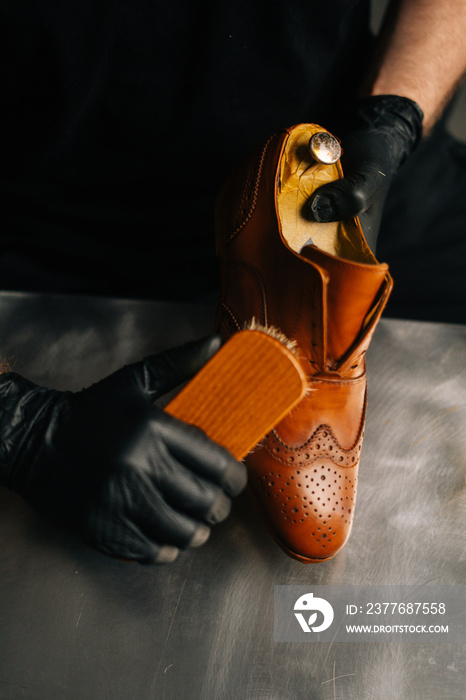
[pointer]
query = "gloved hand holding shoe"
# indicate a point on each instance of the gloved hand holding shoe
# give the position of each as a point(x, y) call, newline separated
point(107, 464)
point(379, 134)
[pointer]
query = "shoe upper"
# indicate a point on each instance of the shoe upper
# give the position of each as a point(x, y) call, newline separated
point(304, 473)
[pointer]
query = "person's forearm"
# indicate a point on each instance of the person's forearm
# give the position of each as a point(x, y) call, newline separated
point(422, 53)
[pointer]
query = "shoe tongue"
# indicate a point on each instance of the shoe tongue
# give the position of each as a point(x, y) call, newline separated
point(352, 290)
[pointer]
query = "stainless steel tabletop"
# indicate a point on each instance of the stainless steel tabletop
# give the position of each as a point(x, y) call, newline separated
point(77, 624)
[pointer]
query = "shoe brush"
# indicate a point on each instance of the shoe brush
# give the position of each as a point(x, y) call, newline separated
point(244, 390)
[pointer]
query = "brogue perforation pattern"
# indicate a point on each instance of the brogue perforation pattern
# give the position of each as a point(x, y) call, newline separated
point(311, 488)
point(320, 498)
point(322, 443)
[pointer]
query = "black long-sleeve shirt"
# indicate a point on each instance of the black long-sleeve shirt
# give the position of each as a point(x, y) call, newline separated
point(121, 120)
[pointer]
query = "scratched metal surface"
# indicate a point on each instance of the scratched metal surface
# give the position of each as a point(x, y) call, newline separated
point(76, 624)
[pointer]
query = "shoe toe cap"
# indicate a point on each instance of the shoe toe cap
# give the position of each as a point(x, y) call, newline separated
point(308, 507)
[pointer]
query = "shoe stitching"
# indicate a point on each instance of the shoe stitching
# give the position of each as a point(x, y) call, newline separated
point(314, 332)
point(347, 460)
point(298, 319)
point(260, 289)
point(232, 317)
point(315, 379)
point(258, 167)
point(225, 329)
point(244, 199)
point(326, 428)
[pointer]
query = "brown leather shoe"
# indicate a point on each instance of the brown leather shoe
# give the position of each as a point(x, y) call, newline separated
point(327, 294)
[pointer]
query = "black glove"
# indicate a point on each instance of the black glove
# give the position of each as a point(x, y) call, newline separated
point(110, 466)
point(379, 134)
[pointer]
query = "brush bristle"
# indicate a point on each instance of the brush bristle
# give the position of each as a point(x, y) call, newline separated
point(291, 345)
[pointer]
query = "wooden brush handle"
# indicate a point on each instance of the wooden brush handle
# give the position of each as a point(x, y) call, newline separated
point(243, 391)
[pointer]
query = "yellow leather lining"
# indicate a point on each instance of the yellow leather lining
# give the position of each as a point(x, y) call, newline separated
point(300, 176)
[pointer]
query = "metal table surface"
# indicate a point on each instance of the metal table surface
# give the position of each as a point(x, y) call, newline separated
point(77, 624)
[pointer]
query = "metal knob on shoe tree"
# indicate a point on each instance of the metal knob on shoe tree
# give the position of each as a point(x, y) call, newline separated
point(324, 148)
